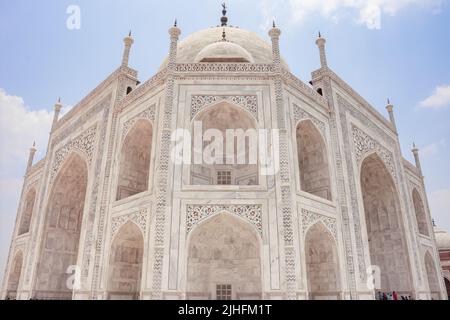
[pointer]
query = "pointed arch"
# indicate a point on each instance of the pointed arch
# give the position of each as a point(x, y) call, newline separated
point(224, 260)
point(385, 232)
point(125, 263)
point(313, 160)
point(432, 276)
point(322, 263)
point(419, 210)
point(221, 117)
point(134, 163)
point(27, 212)
point(62, 229)
point(14, 275)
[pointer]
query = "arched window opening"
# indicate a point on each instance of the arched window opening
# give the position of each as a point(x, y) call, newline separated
point(387, 244)
point(14, 276)
point(433, 280)
point(125, 264)
point(134, 165)
point(62, 230)
point(322, 264)
point(421, 217)
point(313, 161)
point(238, 164)
point(27, 212)
point(129, 89)
point(224, 261)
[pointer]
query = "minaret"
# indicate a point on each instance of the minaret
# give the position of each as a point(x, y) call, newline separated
point(58, 107)
point(320, 42)
point(128, 42)
point(174, 35)
point(31, 156)
point(415, 152)
point(274, 34)
point(390, 110)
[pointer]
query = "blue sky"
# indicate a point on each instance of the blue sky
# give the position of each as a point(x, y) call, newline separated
point(383, 48)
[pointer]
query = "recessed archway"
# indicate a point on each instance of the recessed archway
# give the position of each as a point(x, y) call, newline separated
point(224, 260)
point(244, 158)
point(14, 276)
point(322, 264)
point(27, 212)
point(134, 163)
point(125, 263)
point(313, 160)
point(433, 280)
point(419, 209)
point(387, 243)
point(63, 222)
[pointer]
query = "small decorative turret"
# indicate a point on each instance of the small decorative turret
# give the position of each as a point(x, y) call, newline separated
point(390, 110)
point(224, 19)
point(58, 107)
point(128, 42)
point(31, 157)
point(415, 152)
point(274, 34)
point(320, 42)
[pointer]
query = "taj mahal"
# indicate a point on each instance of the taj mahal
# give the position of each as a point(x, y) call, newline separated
point(108, 214)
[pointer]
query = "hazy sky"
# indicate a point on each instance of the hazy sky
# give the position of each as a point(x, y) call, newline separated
point(383, 48)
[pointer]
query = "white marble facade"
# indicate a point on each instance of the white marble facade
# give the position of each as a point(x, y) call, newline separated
point(108, 200)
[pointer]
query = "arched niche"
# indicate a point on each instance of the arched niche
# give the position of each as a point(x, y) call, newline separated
point(322, 264)
point(125, 263)
point(387, 242)
point(419, 210)
point(134, 163)
point(27, 212)
point(313, 160)
point(224, 260)
point(14, 276)
point(63, 223)
point(432, 276)
point(244, 156)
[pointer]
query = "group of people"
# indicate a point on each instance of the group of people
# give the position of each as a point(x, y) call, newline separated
point(391, 296)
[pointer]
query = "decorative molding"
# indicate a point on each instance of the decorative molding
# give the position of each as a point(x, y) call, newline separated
point(364, 144)
point(140, 218)
point(224, 67)
point(84, 143)
point(310, 218)
point(248, 102)
point(148, 114)
point(197, 213)
point(296, 83)
point(300, 114)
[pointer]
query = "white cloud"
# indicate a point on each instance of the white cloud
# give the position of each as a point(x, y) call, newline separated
point(19, 127)
point(366, 12)
point(433, 148)
point(440, 207)
point(439, 99)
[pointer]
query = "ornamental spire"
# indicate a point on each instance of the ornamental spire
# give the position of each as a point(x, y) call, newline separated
point(224, 19)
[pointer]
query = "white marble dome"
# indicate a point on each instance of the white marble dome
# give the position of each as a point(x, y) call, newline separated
point(246, 43)
point(224, 51)
point(442, 239)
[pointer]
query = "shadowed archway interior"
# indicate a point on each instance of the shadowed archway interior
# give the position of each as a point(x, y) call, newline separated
point(25, 220)
point(125, 263)
point(322, 264)
point(62, 230)
point(387, 244)
point(313, 161)
point(224, 253)
point(134, 163)
point(14, 276)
